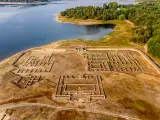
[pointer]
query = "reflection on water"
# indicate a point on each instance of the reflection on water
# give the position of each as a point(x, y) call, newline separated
point(94, 32)
point(23, 27)
point(95, 29)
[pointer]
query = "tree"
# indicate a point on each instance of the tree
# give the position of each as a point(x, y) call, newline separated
point(125, 11)
point(153, 46)
point(84, 17)
point(156, 32)
point(144, 15)
point(122, 17)
point(63, 13)
point(105, 6)
point(113, 5)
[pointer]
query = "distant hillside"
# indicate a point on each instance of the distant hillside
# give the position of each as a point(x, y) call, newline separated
point(27, 1)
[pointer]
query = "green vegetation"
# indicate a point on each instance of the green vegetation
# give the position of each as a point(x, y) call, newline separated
point(107, 12)
point(145, 15)
point(122, 17)
point(120, 36)
point(154, 46)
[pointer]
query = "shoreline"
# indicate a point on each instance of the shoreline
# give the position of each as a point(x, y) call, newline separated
point(83, 22)
point(57, 18)
point(23, 3)
point(62, 19)
point(54, 45)
point(105, 42)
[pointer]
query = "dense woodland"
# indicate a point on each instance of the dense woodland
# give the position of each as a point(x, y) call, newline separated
point(145, 15)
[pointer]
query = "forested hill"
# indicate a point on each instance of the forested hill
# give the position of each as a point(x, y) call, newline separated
point(146, 16)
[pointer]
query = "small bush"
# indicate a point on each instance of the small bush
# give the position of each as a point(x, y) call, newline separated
point(153, 46)
point(122, 17)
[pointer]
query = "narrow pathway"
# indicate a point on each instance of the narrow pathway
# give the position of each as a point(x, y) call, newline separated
point(132, 24)
point(59, 108)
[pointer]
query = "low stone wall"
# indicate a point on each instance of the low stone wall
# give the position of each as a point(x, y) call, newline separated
point(50, 50)
point(19, 56)
point(131, 49)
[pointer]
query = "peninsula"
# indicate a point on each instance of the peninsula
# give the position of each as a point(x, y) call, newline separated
point(116, 77)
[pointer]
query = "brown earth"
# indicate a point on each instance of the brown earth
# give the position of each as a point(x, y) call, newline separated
point(133, 95)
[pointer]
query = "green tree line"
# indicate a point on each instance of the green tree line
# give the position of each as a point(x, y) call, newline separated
point(145, 15)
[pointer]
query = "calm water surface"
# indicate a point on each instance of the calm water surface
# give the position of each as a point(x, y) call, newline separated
point(23, 27)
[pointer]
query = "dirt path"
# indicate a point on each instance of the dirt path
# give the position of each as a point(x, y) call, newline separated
point(130, 23)
point(145, 47)
point(59, 108)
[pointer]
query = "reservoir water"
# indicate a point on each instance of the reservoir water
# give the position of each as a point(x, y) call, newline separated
point(23, 27)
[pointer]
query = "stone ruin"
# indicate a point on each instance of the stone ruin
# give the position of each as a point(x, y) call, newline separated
point(122, 61)
point(5, 115)
point(81, 49)
point(36, 65)
point(80, 88)
point(25, 81)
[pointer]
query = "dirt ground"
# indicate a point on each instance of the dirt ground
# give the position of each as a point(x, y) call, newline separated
point(129, 95)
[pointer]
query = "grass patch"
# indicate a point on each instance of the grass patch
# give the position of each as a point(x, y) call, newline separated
point(120, 37)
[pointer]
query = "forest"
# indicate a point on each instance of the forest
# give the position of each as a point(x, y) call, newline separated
point(145, 15)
